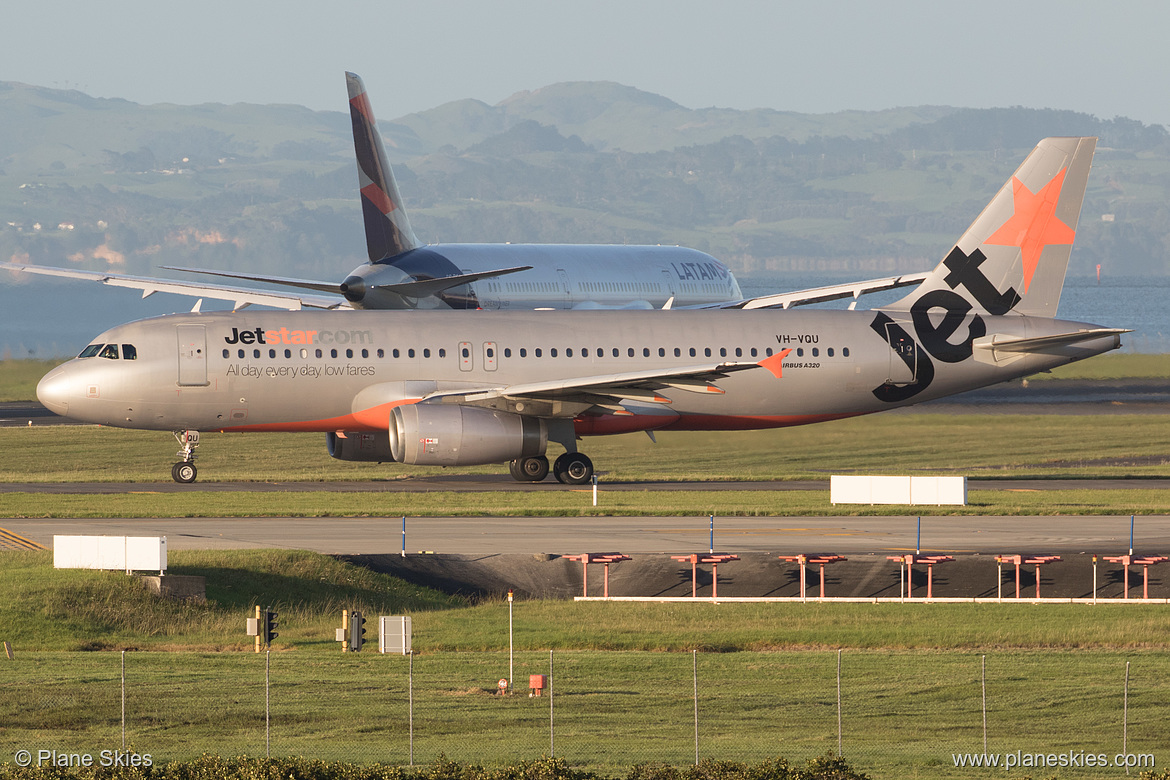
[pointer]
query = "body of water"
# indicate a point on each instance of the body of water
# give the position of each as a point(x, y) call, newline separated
point(47, 318)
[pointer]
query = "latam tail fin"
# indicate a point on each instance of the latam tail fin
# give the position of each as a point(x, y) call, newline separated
point(388, 231)
point(1015, 255)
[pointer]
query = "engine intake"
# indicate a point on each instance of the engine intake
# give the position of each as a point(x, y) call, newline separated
point(360, 446)
point(440, 435)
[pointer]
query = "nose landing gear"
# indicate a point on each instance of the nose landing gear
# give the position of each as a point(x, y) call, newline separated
point(185, 471)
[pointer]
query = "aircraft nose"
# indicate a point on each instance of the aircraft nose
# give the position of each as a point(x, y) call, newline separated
point(353, 288)
point(53, 390)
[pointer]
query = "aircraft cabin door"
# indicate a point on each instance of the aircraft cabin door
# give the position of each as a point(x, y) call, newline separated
point(903, 368)
point(192, 355)
point(489, 356)
point(568, 291)
point(670, 284)
point(466, 360)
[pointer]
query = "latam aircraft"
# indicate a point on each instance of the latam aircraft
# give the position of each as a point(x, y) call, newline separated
point(460, 388)
point(402, 273)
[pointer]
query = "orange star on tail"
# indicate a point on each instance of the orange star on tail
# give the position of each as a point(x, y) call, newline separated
point(1034, 224)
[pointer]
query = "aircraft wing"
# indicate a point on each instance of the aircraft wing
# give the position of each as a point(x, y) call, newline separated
point(606, 390)
point(832, 292)
point(240, 297)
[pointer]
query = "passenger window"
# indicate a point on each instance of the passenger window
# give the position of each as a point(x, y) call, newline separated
point(768, 352)
point(645, 352)
point(553, 352)
point(616, 353)
point(304, 353)
point(816, 352)
point(507, 352)
point(288, 353)
point(844, 351)
point(723, 352)
point(272, 353)
point(333, 353)
point(661, 352)
point(427, 352)
point(240, 353)
point(365, 353)
point(466, 352)
point(629, 352)
point(129, 352)
point(754, 353)
point(830, 352)
point(693, 353)
point(319, 353)
point(677, 352)
point(410, 352)
point(523, 351)
point(538, 352)
point(255, 353)
point(490, 352)
point(584, 351)
point(92, 350)
point(227, 353)
point(348, 353)
point(381, 353)
point(739, 352)
point(109, 351)
point(707, 352)
point(800, 351)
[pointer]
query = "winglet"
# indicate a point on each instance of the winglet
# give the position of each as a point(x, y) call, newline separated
point(388, 231)
point(775, 363)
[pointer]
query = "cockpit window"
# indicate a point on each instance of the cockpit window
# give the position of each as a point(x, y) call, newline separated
point(91, 350)
point(109, 351)
point(129, 352)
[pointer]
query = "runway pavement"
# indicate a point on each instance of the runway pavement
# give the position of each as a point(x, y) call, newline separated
point(1066, 535)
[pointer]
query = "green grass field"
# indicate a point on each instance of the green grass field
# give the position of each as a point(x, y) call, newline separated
point(623, 678)
point(973, 445)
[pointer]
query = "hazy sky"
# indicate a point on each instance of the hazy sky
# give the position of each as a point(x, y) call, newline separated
point(1104, 59)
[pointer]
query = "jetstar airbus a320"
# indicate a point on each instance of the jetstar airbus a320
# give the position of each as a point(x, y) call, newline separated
point(475, 387)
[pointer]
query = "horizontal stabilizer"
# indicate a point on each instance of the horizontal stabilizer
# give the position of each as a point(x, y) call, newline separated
point(1040, 343)
point(428, 287)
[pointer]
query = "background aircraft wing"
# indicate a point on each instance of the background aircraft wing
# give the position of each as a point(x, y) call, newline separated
point(832, 292)
point(239, 296)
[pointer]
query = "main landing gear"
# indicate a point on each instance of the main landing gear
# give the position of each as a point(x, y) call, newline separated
point(571, 468)
point(185, 471)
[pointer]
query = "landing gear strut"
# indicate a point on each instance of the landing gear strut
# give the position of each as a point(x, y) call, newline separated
point(573, 468)
point(184, 470)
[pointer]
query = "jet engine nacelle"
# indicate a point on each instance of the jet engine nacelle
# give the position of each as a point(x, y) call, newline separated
point(360, 446)
point(452, 435)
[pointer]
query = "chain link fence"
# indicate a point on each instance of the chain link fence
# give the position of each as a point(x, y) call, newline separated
point(892, 714)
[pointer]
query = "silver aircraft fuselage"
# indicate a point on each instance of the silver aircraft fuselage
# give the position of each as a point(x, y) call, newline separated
point(346, 371)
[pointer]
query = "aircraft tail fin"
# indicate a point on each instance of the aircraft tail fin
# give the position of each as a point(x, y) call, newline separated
point(1015, 255)
point(388, 231)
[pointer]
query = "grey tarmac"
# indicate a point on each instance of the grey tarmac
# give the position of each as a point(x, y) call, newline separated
point(489, 536)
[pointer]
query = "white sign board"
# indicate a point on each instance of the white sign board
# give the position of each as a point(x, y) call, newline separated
point(898, 490)
point(394, 634)
point(113, 553)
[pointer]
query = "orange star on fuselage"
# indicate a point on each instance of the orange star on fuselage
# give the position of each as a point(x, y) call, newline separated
point(1034, 225)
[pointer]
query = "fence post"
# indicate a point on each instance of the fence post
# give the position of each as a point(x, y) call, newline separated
point(123, 701)
point(551, 732)
point(839, 751)
point(268, 703)
point(410, 694)
point(695, 675)
point(1125, 714)
point(984, 705)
